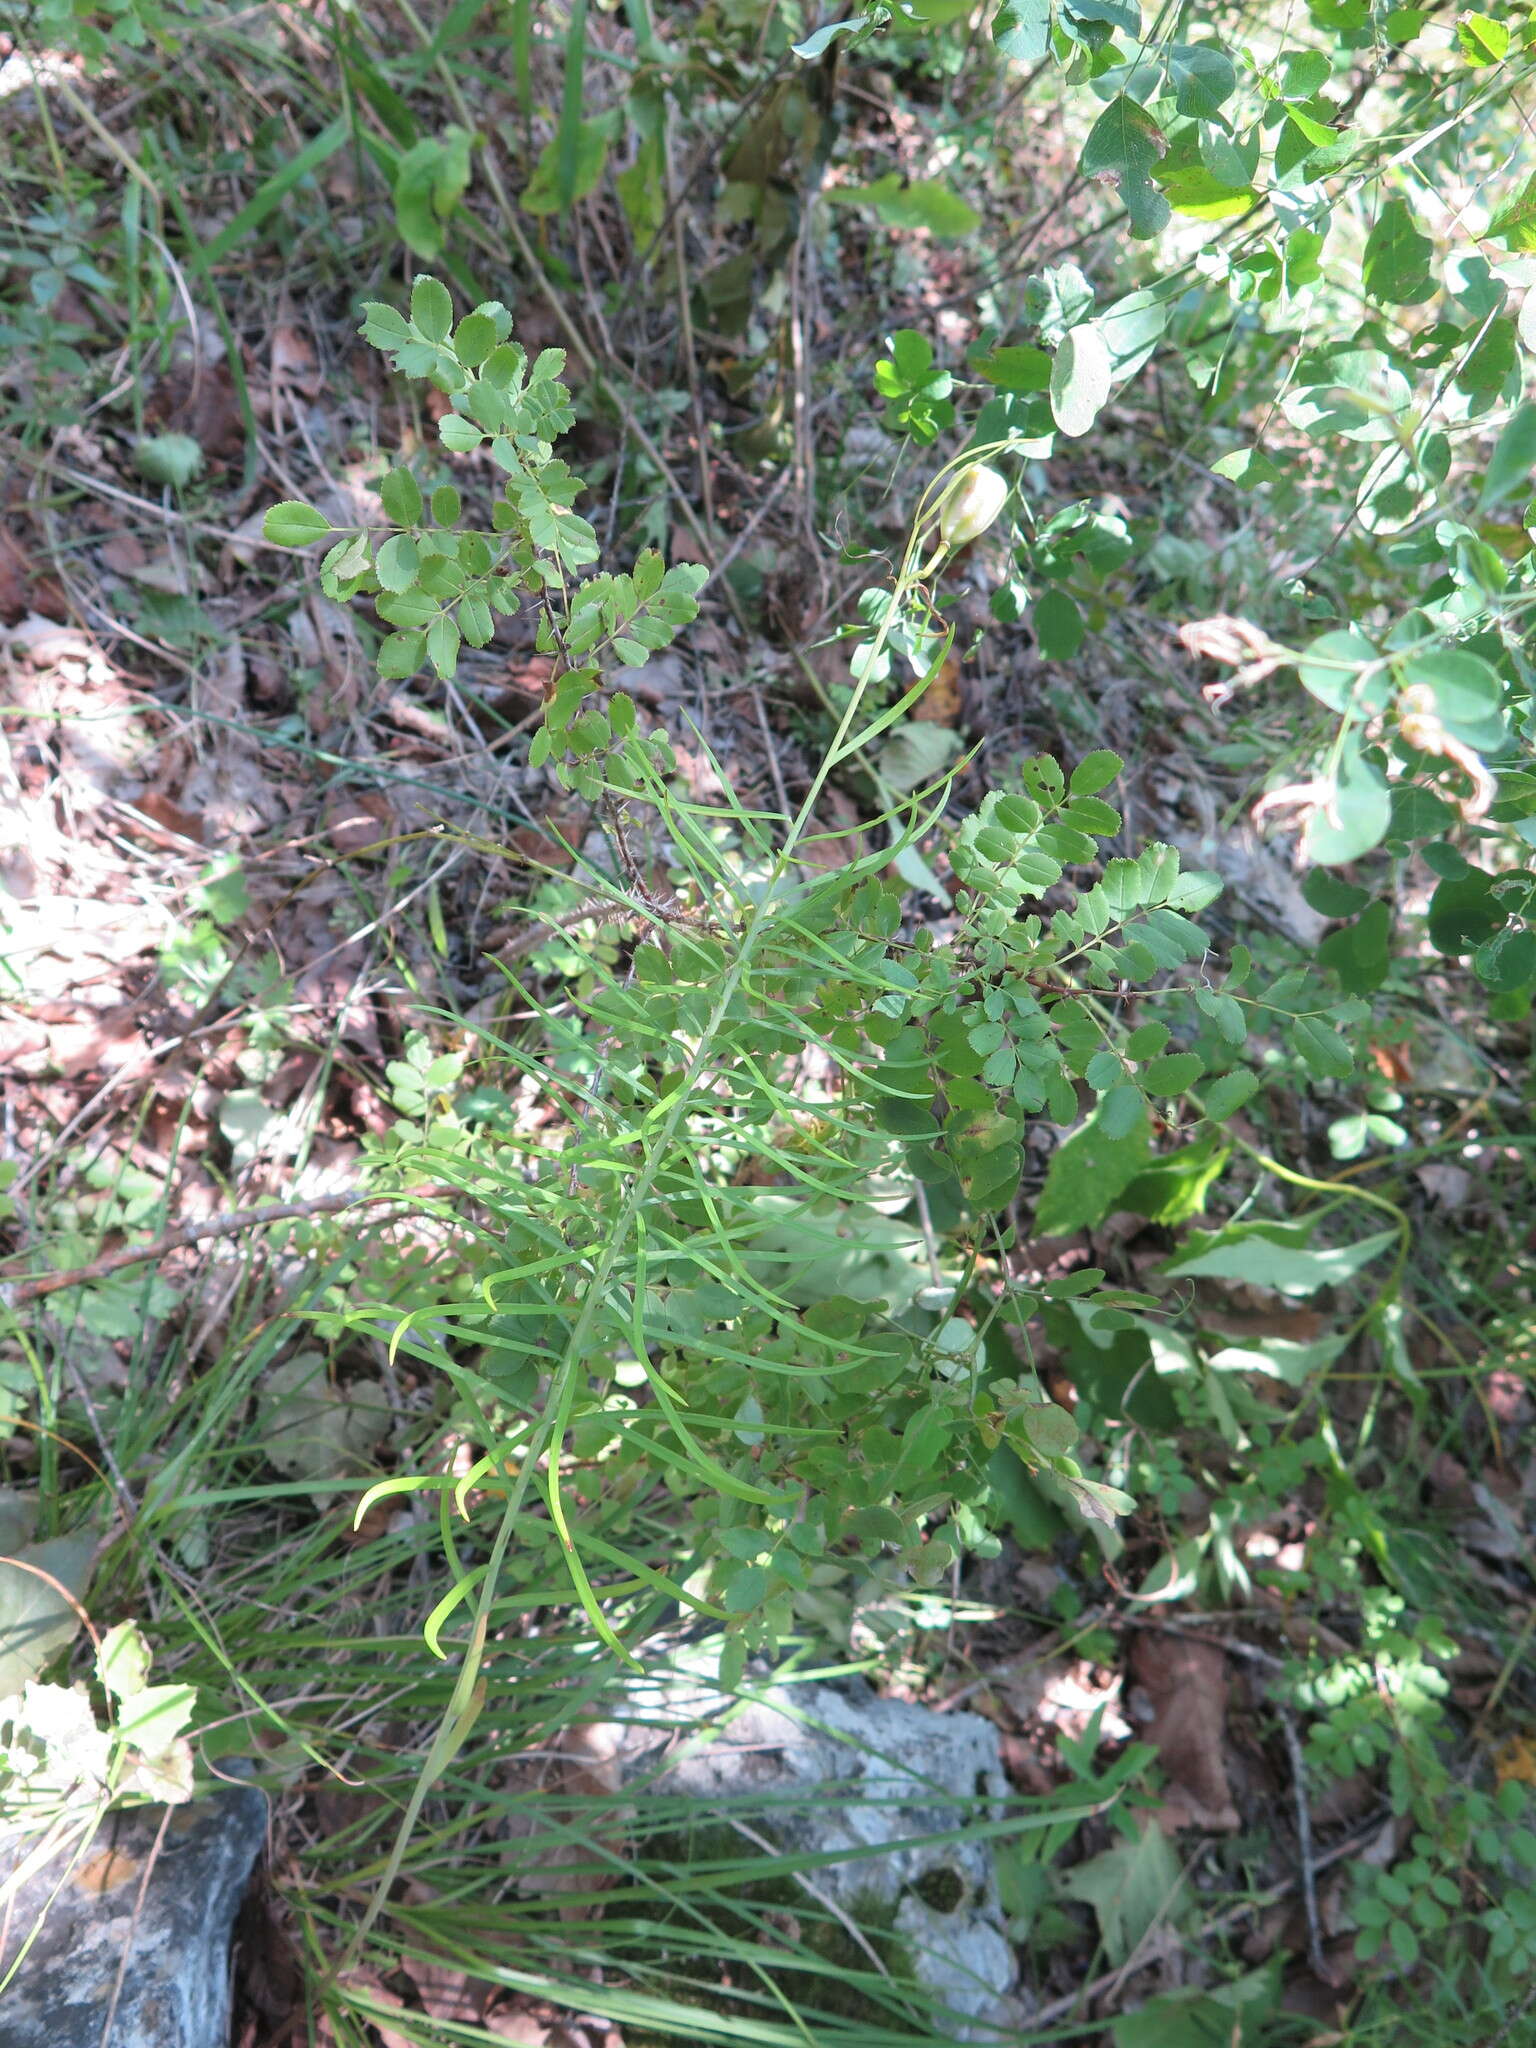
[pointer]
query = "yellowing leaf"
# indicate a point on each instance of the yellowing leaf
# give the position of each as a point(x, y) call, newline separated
point(924, 203)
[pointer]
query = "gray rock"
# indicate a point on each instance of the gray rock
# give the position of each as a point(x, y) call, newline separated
point(822, 1769)
point(175, 1984)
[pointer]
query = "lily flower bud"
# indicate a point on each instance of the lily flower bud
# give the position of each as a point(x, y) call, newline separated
point(978, 496)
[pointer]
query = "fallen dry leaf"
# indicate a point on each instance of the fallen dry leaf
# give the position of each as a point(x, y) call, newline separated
point(1186, 1684)
point(940, 702)
point(1444, 1182)
point(123, 553)
point(15, 579)
point(837, 839)
point(293, 361)
point(359, 821)
point(201, 401)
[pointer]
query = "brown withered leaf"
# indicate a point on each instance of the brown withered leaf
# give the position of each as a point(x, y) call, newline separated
point(201, 401)
point(359, 821)
point(1186, 1683)
point(836, 839)
point(940, 702)
point(293, 361)
point(15, 579)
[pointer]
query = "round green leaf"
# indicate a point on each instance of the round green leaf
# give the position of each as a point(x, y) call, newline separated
point(1466, 690)
point(1344, 669)
point(1354, 819)
point(1059, 626)
point(1050, 1428)
point(1397, 257)
point(400, 495)
point(172, 459)
point(1507, 961)
point(397, 562)
point(431, 309)
point(1464, 912)
point(1080, 378)
point(294, 525)
point(745, 1588)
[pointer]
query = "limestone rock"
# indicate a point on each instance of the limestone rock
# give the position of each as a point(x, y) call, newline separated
point(175, 1985)
point(821, 1769)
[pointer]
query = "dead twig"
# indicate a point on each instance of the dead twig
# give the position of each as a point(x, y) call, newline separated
point(34, 1285)
point(1317, 1961)
point(1506, 2032)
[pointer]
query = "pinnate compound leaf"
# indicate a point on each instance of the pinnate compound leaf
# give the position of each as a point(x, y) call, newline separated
point(1226, 1096)
point(383, 327)
point(401, 655)
point(1173, 1073)
point(1322, 1049)
point(397, 563)
point(443, 645)
point(1123, 145)
point(400, 495)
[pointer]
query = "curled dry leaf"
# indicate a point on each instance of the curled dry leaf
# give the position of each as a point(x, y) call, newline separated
point(1187, 1685)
